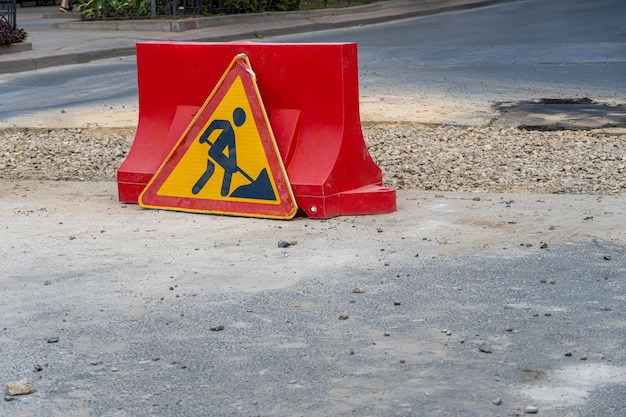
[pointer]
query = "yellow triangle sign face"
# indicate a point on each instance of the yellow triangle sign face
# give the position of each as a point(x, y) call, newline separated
point(227, 160)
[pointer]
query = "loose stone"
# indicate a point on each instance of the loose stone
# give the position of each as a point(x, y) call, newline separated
point(21, 387)
point(485, 347)
point(440, 158)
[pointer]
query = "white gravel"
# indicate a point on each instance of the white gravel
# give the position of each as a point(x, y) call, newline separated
point(411, 156)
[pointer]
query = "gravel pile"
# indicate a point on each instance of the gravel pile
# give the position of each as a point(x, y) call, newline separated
point(500, 160)
point(439, 158)
point(63, 154)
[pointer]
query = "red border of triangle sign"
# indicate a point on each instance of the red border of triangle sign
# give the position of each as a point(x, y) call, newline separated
point(227, 160)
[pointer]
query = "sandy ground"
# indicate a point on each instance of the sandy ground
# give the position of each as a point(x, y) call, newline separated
point(77, 213)
point(431, 109)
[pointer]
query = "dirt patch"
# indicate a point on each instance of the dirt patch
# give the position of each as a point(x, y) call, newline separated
point(560, 114)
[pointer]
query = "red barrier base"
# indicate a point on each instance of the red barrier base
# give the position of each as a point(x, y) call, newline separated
point(310, 92)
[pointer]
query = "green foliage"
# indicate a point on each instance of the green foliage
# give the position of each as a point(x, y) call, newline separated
point(116, 9)
point(91, 9)
point(243, 6)
point(8, 35)
point(285, 5)
point(141, 9)
point(123, 8)
point(259, 6)
point(319, 4)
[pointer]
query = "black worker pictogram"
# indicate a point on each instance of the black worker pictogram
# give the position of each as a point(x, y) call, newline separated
point(223, 152)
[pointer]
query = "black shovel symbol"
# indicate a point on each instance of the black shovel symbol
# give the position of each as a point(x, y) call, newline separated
point(258, 189)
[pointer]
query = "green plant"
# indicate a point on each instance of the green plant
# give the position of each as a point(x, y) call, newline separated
point(9, 35)
point(246, 6)
point(284, 5)
point(91, 9)
point(138, 9)
point(103, 9)
point(255, 6)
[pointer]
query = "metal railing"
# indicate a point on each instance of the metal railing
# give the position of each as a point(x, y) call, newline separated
point(8, 13)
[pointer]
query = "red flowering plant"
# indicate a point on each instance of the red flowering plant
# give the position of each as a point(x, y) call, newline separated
point(9, 35)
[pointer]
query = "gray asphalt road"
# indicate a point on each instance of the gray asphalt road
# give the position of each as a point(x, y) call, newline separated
point(111, 310)
point(286, 352)
point(102, 84)
point(515, 51)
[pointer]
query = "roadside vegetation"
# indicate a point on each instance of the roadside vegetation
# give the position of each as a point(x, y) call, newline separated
point(167, 9)
point(10, 35)
point(151, 9)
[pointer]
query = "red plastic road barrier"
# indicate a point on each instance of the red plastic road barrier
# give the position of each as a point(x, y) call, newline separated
point(310, 92)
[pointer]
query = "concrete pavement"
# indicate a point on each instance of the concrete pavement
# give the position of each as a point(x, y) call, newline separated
point(62, 39)
point(468, 304)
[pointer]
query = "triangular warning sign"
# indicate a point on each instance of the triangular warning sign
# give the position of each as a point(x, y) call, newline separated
point(227, 160)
